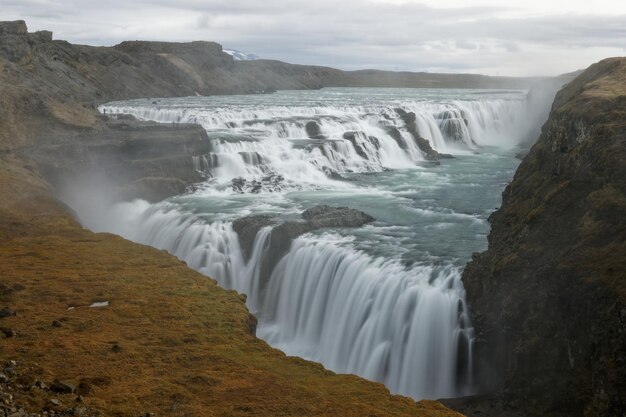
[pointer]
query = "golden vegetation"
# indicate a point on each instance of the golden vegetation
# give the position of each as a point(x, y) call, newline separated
point(170, 342)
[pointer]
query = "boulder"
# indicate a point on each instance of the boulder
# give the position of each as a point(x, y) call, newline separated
point(547, 298)
point(313, 130)
point(62, 387)
point(396, 135)
point(317, 217)
point(351, 136)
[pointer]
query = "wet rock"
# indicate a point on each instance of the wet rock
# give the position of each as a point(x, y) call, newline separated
point(237, 184)
point(452, 129)
point(270, 183)
point(313, 130)
point(409, 120)
point(374, 141)
point(327, 216)
point(397, 136)
point(315, 218)
point(332, 174)
point(352, 137)
point(247, 229)
point(546, 296)
point(62, 387)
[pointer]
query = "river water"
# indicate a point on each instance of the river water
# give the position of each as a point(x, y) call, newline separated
point(384, 301)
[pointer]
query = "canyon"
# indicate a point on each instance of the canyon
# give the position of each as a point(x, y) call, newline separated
point(546, 299)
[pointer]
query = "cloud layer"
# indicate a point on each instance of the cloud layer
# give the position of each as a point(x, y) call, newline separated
point(354, 34)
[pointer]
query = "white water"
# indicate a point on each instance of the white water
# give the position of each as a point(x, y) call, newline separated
point(371, 317)
point(255, 142)
point(328, 302)
point(386, 301)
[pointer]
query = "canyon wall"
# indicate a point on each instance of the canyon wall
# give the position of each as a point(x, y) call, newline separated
point(548, 296)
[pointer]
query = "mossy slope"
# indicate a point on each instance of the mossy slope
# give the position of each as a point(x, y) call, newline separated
point(183, 344)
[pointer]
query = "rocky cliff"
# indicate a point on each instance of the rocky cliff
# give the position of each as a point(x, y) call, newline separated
point(549, 295)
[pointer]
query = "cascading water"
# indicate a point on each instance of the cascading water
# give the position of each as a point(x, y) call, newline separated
point(372, 317)
point(307, 144)
point(384, 301)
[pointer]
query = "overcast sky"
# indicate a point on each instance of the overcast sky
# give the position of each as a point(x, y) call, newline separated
point(531, 37)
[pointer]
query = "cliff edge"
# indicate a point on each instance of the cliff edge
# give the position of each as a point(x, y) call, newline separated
point(549, 295)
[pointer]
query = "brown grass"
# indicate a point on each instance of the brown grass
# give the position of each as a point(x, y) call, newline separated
point(185, 345)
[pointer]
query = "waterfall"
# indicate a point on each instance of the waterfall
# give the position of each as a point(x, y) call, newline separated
point(310, 146)
point(349, 301)
point(371, 317)
point(328, 302)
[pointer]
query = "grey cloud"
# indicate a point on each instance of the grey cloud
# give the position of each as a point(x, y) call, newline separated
point(350, 34)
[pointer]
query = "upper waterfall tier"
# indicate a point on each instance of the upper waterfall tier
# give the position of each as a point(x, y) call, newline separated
point(299, 139)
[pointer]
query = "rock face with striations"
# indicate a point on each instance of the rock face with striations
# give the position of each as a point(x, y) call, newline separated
point(549, 295)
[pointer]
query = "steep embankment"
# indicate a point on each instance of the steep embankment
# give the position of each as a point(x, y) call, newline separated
point(549, 295)
point(169, 341)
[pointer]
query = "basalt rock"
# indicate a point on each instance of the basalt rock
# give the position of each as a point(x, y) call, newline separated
point(409, 120)
point(327, 216)
point(247, 229)
point(313, 130)
point(351, 136)
point(549, 295)
point(318, 217)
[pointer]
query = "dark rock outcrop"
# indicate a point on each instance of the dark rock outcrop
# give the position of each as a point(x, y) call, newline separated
point(138, 159)
point(327, 216)
point(397, 136)
point(17, 27)
point(409, 120)
point(318, 217)
point(247, 229)
point(549, 295)
point(351, 136)
point(283, 234)
point(313, 130)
